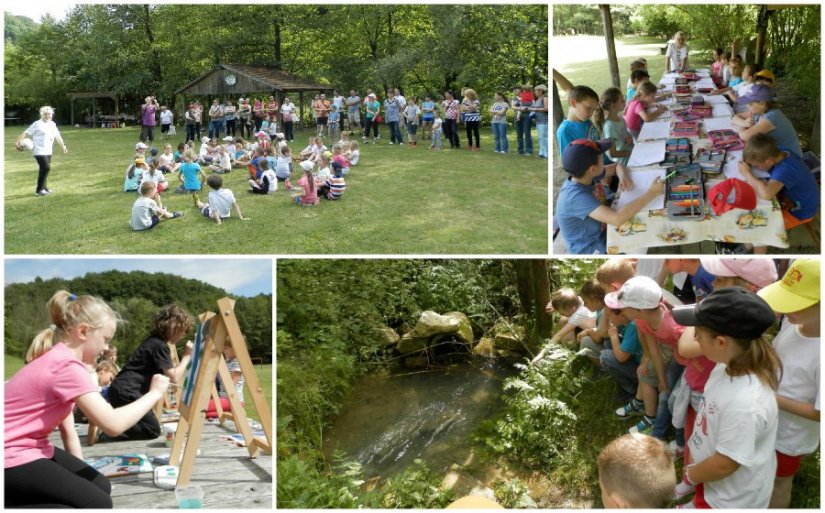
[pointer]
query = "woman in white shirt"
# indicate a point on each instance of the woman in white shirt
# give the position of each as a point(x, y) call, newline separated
point(43, 133)
point(677, 54)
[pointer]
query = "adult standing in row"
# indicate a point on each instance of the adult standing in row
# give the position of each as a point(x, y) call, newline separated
point(322, 108)
point(229, 115)
point(353, 110)
point(43, 133)
point(245, 118)
point(392, 116)
point(338, 103)
point(215, 119)
point(259, 113)
point(451, 111)
point(676, 58)
point(288, 117)
point(272, 109)
point(373, 108)
point(499, 123)
point(522, 121)
point(472, 117)
point(540, 111)
point(192, 122)
point(148, 122)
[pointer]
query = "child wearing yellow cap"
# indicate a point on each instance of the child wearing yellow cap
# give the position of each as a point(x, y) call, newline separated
point(797, 344)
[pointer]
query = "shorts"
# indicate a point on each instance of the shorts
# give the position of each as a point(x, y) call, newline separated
point(156, 220)
point(427, 120)
point(650, 378)
point(787, 466)
point(321, 121)
point(354, 116)
point(793, 222)
point(206, 211)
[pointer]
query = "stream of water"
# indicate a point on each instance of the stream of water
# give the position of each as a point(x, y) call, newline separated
point(389, 420)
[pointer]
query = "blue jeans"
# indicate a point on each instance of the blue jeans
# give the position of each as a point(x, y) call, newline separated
point(523, 136)
point(673, 372)
point(542, 133)
point(395, 132)
point(215, 128)
point(624, 373)
point(500, 136)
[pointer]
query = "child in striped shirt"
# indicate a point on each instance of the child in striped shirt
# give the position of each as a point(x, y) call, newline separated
point(333, 188)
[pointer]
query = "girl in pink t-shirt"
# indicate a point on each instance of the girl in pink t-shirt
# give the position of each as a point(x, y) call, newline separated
point(636, 112)
point(41, 396)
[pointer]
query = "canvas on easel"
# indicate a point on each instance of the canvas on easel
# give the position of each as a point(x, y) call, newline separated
point(207, 363)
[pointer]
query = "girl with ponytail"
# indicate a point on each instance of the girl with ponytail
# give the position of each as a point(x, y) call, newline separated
point(610, 123)
point(734, 435)
point(41, 396)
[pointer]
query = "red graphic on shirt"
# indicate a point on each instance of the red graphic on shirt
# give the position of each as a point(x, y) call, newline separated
point(702, 422)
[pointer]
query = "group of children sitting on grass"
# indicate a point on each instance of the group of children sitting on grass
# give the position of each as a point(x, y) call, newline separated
point(268, 160)
point(597, 138)
point(744, 411)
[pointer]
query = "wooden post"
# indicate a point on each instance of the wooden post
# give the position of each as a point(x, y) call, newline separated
point(558, 113)
point(71, 104)
point(300, 108)
point(816, 132)
point(607, 23)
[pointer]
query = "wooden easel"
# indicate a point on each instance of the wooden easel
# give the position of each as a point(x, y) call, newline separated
point(207, 363)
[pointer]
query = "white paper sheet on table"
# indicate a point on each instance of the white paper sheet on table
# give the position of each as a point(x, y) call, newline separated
point(647, 153)
point(641, 183)
point(705, 83)
point(714, 99)
point(654, 130)
point(664, 115)
point(722, 110)
point(731, 169)
point(717, 124)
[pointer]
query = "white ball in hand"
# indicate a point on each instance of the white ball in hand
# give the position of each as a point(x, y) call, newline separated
point(26, 144)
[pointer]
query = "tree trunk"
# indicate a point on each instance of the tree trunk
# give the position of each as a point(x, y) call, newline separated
point(610, 42)
point(524, 284)
point(157, 75)
point(541, 296)
point(277, 48)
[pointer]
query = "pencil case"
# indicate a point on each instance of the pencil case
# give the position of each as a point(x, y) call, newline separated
point(686, 129)
point(712, 161)
point(681, 89)
point(690, 77)
point(703, 111)
point(725, 139)
point(677, 152)
point(697, 100)
point(685, 193)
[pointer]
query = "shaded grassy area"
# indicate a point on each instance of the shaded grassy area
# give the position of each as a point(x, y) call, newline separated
point(12, 364)
point(399, 200)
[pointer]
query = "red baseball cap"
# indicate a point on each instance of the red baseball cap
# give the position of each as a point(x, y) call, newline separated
point(731, 193)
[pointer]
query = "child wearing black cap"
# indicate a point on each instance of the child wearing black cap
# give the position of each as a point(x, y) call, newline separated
point(579, 212)
point(734, 434)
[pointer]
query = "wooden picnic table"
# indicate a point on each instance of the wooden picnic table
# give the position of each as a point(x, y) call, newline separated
point(762, 226)
point(229, 477)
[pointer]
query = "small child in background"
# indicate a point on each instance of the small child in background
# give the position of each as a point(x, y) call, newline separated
point(734, 436)
point(166, 160)
point(592, 341)
point(725, 65)
point(106, 373)
point(765, 77)
point(134, 174)
point(323, 173)
point(152, 174)
point(791, 181)
point(716, 67)
point(221, 163)
point(267, 183)
point(638, 64)
point(334, 124)
point(354, 153)
point(743, 88)
point(636, 471)
point(636, 113)
point(309, 195)
point(609, 121)
point(147, 212)
point(191, 176)
point(736, 68)
point(261, 141)
point(338, 157)
point(272, 129)
point(283, 167)
point(334, 186)
point(220, 201)
point(437, 131)
point(798, 347)
point(179, 153)
point(140, 151)
point(636, 77)
point(575, 317)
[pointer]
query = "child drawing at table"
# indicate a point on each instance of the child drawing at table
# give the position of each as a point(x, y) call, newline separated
point(579, 211)
point(790, 181)
point(765, 117)
point(638, 64)
point(736, 68)
point(636, 77)
point(636, 113)
point(608, 119)
point(742, 88)
point(725, 60)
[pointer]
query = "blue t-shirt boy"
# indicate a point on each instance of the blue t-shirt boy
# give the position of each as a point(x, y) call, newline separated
point(190, 171)
point(799, 185)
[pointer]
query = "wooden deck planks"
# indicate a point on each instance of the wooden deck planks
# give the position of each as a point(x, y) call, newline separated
point(228, 476)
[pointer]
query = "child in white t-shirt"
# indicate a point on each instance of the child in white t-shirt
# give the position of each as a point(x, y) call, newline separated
point(797, 296)
point(437, 131)
point(220, 201)
point(146, 213)
point(734, 435)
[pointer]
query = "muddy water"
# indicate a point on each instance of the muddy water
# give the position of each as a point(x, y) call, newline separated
point(389, 420)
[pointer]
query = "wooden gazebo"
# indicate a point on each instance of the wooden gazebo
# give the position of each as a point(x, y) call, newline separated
point(93, 96)
point(238, 80)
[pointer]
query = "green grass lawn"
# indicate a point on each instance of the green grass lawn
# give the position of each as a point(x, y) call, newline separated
point(12, 364)
point(399, 200)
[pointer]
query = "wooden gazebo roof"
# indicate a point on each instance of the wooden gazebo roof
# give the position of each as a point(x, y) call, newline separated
point(248, 79)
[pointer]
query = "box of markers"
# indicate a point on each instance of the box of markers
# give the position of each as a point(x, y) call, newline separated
point(685, 193)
